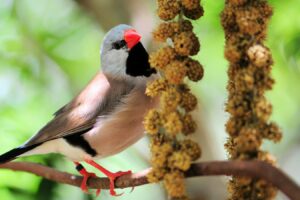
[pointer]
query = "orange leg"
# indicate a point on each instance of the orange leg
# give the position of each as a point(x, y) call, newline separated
point(112, 176)
point(86, 175)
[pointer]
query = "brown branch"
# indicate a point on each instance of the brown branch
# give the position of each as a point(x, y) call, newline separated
point(254, 169)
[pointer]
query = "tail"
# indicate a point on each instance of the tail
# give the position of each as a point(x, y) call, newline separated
point(14, 153)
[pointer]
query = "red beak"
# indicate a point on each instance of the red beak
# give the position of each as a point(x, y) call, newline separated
point(131, 37)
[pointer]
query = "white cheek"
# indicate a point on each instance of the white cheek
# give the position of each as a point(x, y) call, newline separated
point(114, 63)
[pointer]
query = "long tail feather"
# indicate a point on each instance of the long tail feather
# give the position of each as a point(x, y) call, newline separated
point(14, 153)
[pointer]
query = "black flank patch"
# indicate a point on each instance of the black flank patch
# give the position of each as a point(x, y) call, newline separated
point(137, 63)
point(78, 140)
point(79, 167)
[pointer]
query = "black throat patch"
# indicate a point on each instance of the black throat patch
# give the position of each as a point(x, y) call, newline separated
point(137, 63)
point(78, 140)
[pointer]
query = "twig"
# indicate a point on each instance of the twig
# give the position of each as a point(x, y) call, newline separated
point(254, 169)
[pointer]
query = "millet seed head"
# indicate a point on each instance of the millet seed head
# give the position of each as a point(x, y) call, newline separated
point(266, 157)
point(169, 29)
point(174, 183)
point(262, 109)
point(168, 9)
point(238, 2)
point(248, 140)
point(190, 147)
point(186, 43)
point(189, 125)
point(164, 31)
point(179, 160)
point(194, 13)
point(162, 57)
point(247, 20)
point(160, 155)
point(170, 99)
point(259, 55)
point(173, 124)
point(152, 122)
point(190, 4)
point(194, 69)
point(155, 87)
point(188, 101)
point(271, 131)
point(175, 72)
point(156, 175)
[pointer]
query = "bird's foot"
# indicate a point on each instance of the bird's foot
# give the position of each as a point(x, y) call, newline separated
point(112, 176)
point(86, 175)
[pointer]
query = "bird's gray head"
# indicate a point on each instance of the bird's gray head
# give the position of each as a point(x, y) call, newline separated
point(123, 55)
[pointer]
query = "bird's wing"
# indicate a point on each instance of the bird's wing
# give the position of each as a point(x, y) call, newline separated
point(99, 97)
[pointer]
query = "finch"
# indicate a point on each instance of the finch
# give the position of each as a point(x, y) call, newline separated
point(106, 116)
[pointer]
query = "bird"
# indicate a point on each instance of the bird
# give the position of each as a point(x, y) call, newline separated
point(107, 115)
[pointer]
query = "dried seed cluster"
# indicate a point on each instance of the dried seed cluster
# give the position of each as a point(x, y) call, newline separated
point(172, 153)
point(245, 24)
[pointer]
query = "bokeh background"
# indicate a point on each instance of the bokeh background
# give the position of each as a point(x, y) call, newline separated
point(49, 49)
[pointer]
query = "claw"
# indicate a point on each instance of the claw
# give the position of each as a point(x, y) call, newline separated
point(98, 192)
point(86, 175)
point(132, 189)
point(112, 176)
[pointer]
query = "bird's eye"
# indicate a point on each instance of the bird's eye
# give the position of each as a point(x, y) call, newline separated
point(119, 44)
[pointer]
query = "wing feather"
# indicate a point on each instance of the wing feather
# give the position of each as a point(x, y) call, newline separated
point(98, 98)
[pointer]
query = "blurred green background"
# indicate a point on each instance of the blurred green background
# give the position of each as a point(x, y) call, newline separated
point(49, 49)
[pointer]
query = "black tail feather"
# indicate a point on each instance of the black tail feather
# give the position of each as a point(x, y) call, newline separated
point(14, 153)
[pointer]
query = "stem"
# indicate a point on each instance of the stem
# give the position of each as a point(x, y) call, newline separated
point(253, 169)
